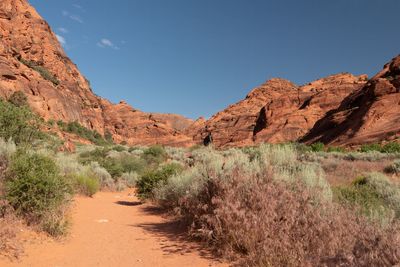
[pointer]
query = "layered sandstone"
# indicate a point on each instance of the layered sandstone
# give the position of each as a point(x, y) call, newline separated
point(370, 114)
point(27, 44)
point(278, 111)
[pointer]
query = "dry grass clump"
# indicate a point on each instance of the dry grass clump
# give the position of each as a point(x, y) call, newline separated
point(10, 246)
point(263, 222)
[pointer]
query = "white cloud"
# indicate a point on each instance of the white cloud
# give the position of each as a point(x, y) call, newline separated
point(76, 18)
point(61, 39)
point(62, 30)
point(72, 16)
point(78, 7)
point(104, 43)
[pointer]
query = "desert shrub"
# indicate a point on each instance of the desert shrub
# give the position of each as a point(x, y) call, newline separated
point(108, 137)
point(317, 147)
point(177, 154)
point(68, 164)
point(267, 223)
point(18, 123)
point(151, 179)
point(119, 148)
point(394, 167)
point(19, 99)
point(336, 149)
point(377, 197)
point(392, 147)
point(7, 148)
point(133, 164)
point(102, 175)
point(282, 161)
point(76, 128)
point(116, 163)
point(135, 150)
point(36, 190)
point(189, 182)
point(370, 147)
point(154, 155)
point(86, 184)
point(10, 246)
point(45, 73)
point(129, 179)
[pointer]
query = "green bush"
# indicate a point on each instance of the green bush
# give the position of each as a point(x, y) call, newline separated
point(336, 149)
point(37, 191)
point(392, 147)
point(86, 184)
point(45, 73)
point(76, 128)
point(151, 179)
point(374, 194)
point(370, 147)
point(18, 123)
point(154, 155)
point(119, 148)
point(317, 147)
point(115, 166)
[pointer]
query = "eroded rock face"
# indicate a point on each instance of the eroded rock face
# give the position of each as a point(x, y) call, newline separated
point(278, 111)
point(32, 61)
point(341, 109)
point(370, 114)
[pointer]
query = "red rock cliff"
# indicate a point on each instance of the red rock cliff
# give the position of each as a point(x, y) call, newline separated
point(32, 60)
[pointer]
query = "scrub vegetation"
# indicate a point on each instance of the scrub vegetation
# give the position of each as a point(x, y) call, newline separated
point(270, 205)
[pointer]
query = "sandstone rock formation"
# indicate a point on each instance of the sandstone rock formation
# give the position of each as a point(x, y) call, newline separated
point(370, 114)
point(32, 61)
point(341, 109)
point(278, 111)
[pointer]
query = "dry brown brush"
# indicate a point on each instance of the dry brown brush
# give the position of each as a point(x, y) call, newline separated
point(264, 222)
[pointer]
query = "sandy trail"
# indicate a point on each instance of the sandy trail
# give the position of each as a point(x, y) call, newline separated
point(115, 229)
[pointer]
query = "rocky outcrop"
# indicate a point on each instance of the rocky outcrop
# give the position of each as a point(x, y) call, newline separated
point(341, 109)
point(370, 114)
point(278, 111)
point(32, 61)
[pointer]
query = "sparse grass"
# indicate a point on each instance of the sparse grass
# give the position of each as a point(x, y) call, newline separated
point(45, 73)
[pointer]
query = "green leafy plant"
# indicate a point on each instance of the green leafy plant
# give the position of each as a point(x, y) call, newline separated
point(36, 190)
point(317, 147)
point(18, 123)
point(86, 184)
point(151, 179)
point(154, 155)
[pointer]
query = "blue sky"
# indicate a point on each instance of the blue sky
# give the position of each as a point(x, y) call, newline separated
point(195, 57)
